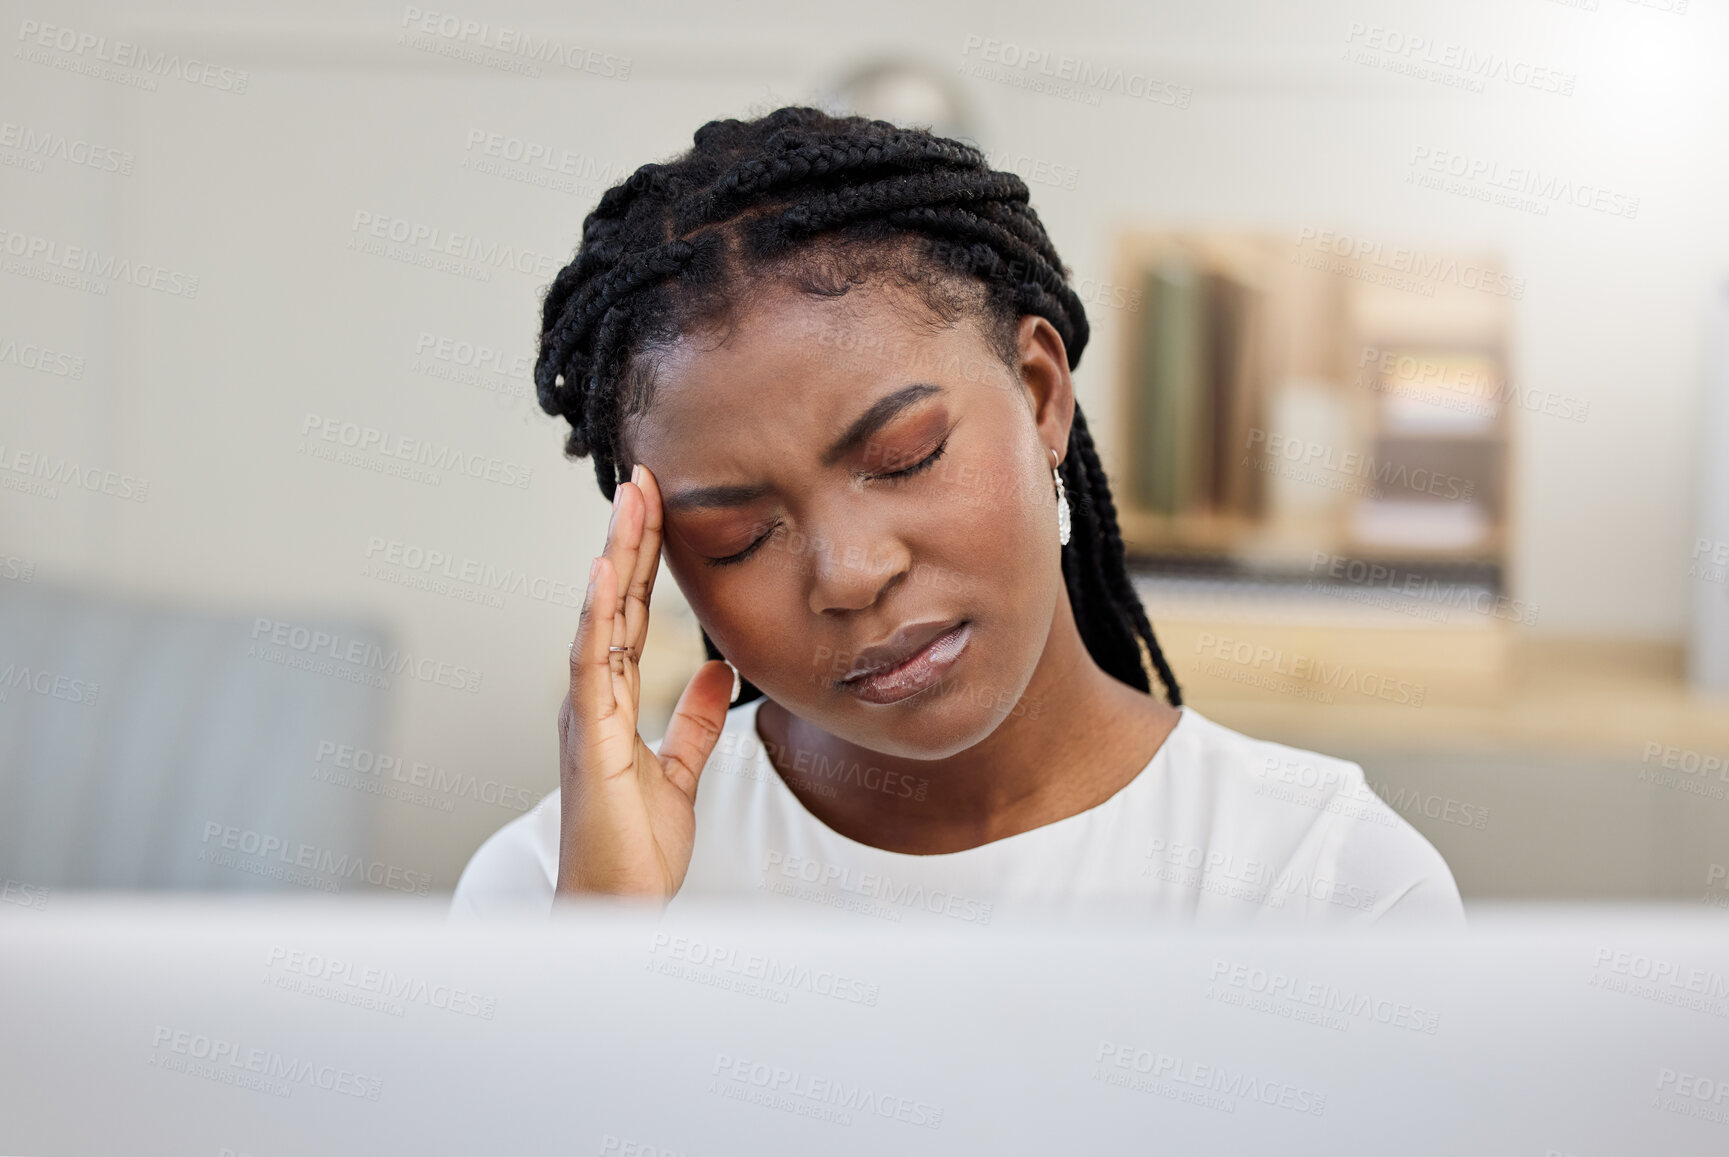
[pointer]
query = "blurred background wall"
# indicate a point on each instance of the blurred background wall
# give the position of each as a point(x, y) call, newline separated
point(271, 285)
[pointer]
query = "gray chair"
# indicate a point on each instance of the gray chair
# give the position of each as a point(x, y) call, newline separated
point(129, 731)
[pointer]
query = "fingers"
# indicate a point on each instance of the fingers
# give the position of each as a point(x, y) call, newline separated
point(623, 538)
point(641, 585)
point(592, 697)
point(696, 724)
point(633, 543)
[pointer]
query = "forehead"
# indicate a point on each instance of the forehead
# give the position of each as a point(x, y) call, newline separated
point(791, 366)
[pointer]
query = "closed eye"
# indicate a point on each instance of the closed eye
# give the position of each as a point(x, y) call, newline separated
point(916, 468)
point(893, 478)
point(746, 552)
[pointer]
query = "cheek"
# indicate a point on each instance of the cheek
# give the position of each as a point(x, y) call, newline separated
point(698, 590)
point(747, 616)
point(999, 521)
point(1030, 551)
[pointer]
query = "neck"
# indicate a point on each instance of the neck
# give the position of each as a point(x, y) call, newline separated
point(1076, 737)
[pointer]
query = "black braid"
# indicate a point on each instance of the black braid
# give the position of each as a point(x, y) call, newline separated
point(661, 250)
point(1084, 479)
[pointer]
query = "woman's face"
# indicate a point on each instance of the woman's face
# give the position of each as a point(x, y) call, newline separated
point(843, 473)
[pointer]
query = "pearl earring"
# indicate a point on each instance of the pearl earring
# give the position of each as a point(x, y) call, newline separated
point(1062, 504)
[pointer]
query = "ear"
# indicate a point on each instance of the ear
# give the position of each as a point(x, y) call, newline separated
point(1044, 369)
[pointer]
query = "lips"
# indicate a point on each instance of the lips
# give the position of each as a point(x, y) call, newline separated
point(912, 659)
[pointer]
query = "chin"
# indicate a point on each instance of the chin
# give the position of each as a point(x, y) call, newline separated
point(946, 710)
point(938, 722)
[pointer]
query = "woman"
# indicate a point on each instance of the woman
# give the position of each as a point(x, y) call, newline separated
point(833, 359)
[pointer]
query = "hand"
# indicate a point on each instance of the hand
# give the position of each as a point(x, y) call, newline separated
point(628, 815)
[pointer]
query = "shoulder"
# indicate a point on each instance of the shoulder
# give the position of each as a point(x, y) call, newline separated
point(1346, 854)
point(516, 868)
point(1228, 764)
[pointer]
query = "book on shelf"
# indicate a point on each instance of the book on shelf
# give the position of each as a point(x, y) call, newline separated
point(1193, 403)
point(1234, 394)
point(1391, 411)
point(1169, 378)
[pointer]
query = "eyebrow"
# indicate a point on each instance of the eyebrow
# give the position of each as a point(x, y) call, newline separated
point(876, 417)
point(708, 497)
point(880, 413)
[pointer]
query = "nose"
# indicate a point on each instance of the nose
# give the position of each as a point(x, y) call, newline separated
point(851, 571)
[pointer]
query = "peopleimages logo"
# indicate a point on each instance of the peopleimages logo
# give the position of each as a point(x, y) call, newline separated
point(754, 973)
point(1311, 669)
point(472, 39)
point(317, 650)
point(432, 241)
point(1026, 66)
point(1693, 1095)
point(836, 878)
point(92, 51)
point(1689, 761)
point(390, 448)
point(1430, 59)
point(506, 377)
point(359, 767)
point(44, 361)
point(1329, 789)
point(42, 474)
point(80, 262)
point(1710, 560)
point(24, 895)
point(1522, 179)
point(47, 683)
point(1390, 473)
point(296, 854)
point(538, 155)
point(1294, 989)
point(350, 982)
point(1034, 169)
point(45, 143)
point(1474, 390)
point(1696, 770)
point(1661, 970)
point(1242, 878)
point(1352, 577)
point(810, 1094)
point(1164, 1073)
point(406, 563)
point(1399, 259)
point(263, 1069)
point(815, 769)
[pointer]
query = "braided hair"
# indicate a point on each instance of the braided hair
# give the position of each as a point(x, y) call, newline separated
point(826, 201)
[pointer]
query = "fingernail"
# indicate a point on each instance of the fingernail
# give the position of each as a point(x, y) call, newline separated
point(593, 569)
point(636, 473)
point(617, 493)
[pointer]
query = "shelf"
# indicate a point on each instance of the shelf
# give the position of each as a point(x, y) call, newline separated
point(1240, 350)
point(1587, 697)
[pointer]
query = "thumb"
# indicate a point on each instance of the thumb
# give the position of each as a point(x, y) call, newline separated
point(696, 724)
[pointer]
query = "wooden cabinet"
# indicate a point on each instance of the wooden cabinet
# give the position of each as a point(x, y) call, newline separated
point(1323, 425)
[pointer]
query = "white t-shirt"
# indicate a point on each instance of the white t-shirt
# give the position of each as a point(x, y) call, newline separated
point(1217, 829)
